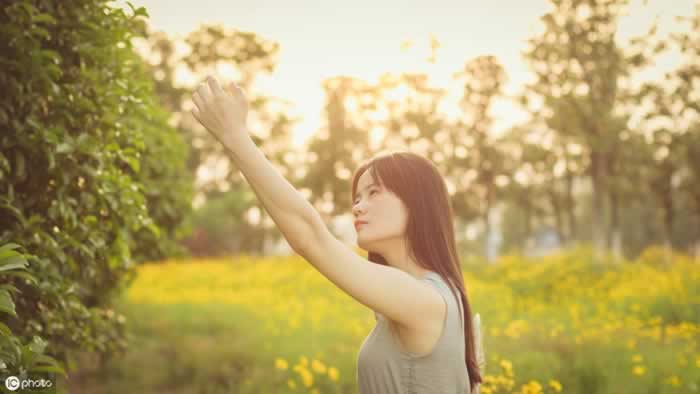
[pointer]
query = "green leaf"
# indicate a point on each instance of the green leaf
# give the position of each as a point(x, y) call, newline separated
point(38, 346)
point(5, 330)
point(133, 163)
point(9, 288)
point(49, 368)
point(44, 18)
point(9, 246)
point(6, 303)
point(13, 262)
point(142, 12)
point(4, 254)
point(153, 228)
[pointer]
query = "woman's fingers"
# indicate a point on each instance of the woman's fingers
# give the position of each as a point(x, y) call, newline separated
point(197, 100)
point(236, 90)
point(204, 93)
point(214, 86)
point(195, 113)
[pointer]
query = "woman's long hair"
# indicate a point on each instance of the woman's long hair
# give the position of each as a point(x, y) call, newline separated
point(430, 228)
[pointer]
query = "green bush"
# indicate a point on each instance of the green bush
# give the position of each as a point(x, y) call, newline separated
point(221, 228)
point(18, 356)
point(92, 177)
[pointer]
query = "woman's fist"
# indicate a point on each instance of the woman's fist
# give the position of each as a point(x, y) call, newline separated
point(222, 112)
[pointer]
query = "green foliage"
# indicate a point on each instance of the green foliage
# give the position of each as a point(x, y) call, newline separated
point(91, 174)
point(170, 184)
point(17, 355)
point(222, 228)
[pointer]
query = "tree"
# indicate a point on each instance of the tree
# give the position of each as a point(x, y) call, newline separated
point(481, 167)
point(685, 92)
point(210, 49)
point(581, 72)
point(334, 151)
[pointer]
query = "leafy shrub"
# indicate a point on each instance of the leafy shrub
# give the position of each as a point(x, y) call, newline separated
point(16, 355)
point(92, 176)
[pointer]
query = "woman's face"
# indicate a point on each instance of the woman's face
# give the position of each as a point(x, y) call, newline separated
point(384, 212)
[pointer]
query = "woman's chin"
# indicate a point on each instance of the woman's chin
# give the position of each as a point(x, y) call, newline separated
point(361, 243)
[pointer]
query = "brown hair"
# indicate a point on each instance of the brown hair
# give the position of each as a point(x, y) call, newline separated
point(430, 226)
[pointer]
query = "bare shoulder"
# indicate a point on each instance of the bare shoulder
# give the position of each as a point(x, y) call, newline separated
point(422, 337)
point(389, 291)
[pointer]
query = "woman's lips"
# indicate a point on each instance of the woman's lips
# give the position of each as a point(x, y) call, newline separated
point(359, 224)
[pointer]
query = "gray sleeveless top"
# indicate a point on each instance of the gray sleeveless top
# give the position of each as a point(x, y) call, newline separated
point(383, 366)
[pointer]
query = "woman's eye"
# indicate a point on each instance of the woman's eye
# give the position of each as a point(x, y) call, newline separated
point(370, 193)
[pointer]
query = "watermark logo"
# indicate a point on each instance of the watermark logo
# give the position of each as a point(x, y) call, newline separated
point(12, 383)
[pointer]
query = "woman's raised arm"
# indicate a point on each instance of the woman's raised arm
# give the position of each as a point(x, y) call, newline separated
point(223, 114)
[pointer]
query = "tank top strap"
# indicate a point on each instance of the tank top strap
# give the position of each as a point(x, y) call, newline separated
point(446, 291)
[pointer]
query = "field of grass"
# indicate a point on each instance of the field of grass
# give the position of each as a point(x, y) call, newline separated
point(568, 323)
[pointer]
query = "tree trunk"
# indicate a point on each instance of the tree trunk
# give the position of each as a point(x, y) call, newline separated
point(528, 221)
point(615, 241)
point(668, 221)
point(556, 207)
point(570, 204)
point(697, 242)
point(649, 212)
point(599, 231)
point(487, 225)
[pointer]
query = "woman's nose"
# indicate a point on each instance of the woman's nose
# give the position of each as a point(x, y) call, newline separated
point(356, 210)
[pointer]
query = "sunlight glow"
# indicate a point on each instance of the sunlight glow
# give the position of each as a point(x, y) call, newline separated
point(318, 42)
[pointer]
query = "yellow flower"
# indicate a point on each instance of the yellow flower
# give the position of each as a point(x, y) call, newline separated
point(674, 381)
point(697, 361)
point(639, 370)
point(304, 361)
point(315, 391)
point(333, 373)
point(507, 365)
point(555, 385)
point(280, 363)
point(532, 387)
point(637, 358)
point(318, 366)
point(291, 384)
point(306, 376)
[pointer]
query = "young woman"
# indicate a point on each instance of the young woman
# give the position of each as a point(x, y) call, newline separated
point(424, 340)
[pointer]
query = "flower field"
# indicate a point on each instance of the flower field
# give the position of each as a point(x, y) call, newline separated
point(568, 323)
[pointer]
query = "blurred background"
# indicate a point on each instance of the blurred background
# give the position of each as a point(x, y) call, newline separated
point(135, 257)
point(485, 91)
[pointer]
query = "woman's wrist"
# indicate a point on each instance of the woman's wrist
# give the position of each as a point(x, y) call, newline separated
point(232, 139)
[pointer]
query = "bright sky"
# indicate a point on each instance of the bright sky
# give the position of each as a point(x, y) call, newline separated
point(319, 39)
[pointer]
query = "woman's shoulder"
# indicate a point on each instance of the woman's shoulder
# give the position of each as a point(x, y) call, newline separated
point(446, 291)
point(436, 278)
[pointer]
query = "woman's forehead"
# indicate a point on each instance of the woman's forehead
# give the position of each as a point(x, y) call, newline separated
point(366, 180)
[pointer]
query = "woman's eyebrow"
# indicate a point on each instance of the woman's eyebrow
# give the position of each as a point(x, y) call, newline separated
point(368, 186)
